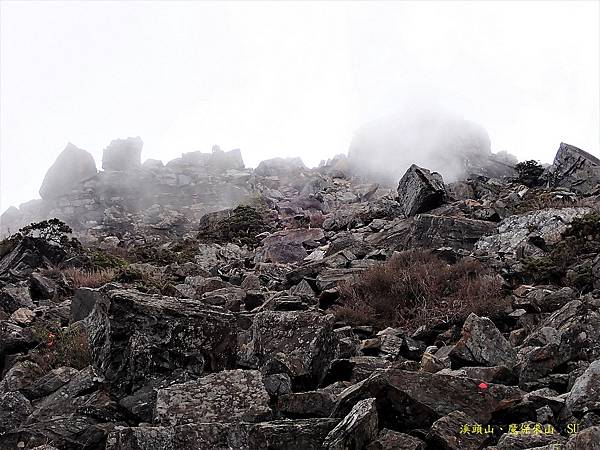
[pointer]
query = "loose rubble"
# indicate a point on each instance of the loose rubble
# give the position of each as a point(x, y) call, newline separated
point(203, 304)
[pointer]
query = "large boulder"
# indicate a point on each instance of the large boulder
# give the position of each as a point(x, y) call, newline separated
point(299, 343)
point(575, 170)
point(227, 396)
point(356, 430)
point(420, 190)
point(431, 231)
point(280, 167)
point(482, 344)
point(76, 415)
point(287, 246)
point(305, 434)
point(123, 154)
point(525, 234)
point(585, 394)
point(407, 400)
point(136, 339)
point(71, 167)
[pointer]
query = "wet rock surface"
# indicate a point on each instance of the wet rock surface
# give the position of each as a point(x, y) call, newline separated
point(203, 304)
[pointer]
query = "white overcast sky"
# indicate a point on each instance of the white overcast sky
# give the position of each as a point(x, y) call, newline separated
point(286, 79)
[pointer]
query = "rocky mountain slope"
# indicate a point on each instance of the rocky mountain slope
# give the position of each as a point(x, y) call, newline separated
point(201, 304)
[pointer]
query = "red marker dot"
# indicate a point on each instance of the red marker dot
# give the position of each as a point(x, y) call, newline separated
point(483, 386)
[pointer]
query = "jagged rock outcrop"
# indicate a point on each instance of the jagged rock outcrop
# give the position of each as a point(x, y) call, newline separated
point(574, 169)
point(138, 339)
point(71, 167)
point(123, 154)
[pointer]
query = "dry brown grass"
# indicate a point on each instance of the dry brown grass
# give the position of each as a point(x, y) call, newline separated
point(89, 278)
point(417, 288)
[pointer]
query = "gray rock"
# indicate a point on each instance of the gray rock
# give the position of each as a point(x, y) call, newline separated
point(432, 231)
point(20, 376)
point(49, 383)
point(575, 170)
point(83, 303)
point(527, 440)
point(482, 344)
point(420, 190)
point(287, 246)
point(427, 397)
point(42, 288)
point(446, 433)
point(355, 430)
point(389, 439)
point(227, 396)
point(571, 333)
point(15, 296)
point(588, 439)
point(278, 384)
point(585, 394)
point(123, 154)
point(515, 232)
point(280, 167)
point(305, 434)
point(14, 409)
point(299, 405)
point(302, 342)
point(72, 166)
point(138, 338)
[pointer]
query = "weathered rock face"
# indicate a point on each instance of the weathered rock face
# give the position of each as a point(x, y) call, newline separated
point(482, 344)
point(446, 433)
point(356, 430)
point(575, 170)
point(432, 231)
point(588, 439)
point(228, 396)
point(427, 396)
point(420, 190)
point(585, 394)
point(306, 434)
point(526, 233)
point(301, 343)
point(289, 245)
point(137, 339)
point(570, 333)
point(123, 154)
point(71, 167)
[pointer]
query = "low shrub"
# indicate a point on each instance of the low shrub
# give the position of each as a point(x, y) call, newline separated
point(417, 288)
point(63, 347)
point(102, 259)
